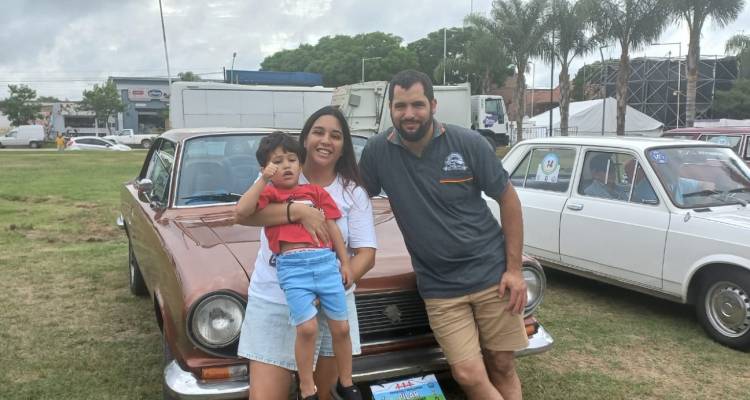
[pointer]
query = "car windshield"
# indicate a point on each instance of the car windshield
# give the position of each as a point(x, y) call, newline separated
point(219, 169)
point(699, 177)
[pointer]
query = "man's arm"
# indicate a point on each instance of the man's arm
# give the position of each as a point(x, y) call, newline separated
point(511, 218)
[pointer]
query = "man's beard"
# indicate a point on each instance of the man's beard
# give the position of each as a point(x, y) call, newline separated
point(416, 135)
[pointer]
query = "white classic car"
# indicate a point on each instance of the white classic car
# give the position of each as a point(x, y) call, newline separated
point(662, 216)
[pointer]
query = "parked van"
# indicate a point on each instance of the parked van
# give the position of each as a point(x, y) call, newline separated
point(738, 138)
point(24, 135)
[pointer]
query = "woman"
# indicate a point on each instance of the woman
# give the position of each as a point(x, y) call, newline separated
point(267, 337)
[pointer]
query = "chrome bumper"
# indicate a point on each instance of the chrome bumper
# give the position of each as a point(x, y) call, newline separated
point(424, 361)
point(183, 385)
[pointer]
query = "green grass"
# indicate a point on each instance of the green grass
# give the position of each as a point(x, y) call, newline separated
point(70, 329)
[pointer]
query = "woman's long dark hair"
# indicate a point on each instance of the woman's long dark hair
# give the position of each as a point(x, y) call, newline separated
point(346, 166)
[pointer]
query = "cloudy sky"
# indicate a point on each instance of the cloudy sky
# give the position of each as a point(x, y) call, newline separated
point(60, 48)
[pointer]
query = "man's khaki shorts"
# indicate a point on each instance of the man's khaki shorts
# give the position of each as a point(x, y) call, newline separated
point(466, 325)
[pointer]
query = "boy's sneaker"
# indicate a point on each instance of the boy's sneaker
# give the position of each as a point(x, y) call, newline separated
point(346, 393)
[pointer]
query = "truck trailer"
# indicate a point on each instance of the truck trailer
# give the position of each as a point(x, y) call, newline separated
point(211, 104)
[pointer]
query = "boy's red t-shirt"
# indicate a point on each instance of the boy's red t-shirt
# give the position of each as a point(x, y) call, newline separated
point(312, 195)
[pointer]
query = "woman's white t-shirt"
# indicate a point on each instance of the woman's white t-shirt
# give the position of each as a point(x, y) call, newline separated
point(356, 225)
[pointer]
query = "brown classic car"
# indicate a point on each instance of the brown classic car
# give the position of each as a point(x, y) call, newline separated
point(194, 264)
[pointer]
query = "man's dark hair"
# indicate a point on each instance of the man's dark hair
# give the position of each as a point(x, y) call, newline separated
point(276, 139)
point(598, 163)
point(409, 77)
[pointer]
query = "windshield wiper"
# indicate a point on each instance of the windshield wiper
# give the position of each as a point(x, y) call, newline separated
point(739, 190)
point(227, 196)
point(706, 192)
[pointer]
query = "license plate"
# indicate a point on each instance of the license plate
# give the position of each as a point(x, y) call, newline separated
point(416, 388)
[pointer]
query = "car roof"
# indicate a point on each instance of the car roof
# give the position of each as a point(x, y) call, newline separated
point(181, 134)
point(705, 129)
point(638, 143)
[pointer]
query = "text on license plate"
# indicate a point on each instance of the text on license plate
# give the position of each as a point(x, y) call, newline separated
point(416, 388)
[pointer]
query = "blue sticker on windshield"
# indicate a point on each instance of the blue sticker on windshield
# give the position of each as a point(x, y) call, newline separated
point(658, 157)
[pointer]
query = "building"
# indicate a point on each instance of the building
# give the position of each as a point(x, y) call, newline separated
point(146, 103)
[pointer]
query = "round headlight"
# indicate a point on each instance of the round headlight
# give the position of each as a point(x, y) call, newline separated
point(216, 320)
point(536, 282)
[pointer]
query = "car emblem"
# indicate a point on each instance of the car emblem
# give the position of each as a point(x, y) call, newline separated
point(393, 314)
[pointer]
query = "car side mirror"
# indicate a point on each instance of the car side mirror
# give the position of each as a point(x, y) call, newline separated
point(144, 185)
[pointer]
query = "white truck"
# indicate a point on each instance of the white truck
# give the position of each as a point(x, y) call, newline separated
point(24, 135)
point(211, 104)
point(128, 137)
point(365, 106)
point(488, 117)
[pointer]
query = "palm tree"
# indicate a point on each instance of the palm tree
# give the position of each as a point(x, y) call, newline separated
point(519, 27)
point(740, 45)
point(570, 23)
point(695, 13)
point(631, 24)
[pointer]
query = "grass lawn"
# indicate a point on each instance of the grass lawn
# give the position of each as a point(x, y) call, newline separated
point(71, 330)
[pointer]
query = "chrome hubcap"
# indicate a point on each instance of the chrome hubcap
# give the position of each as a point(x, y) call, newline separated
point(728, 309)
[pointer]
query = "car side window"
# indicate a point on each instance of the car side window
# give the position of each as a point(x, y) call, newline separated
point(732, 141)
point(159, 170)
point(747, 148)
point(604, 175)
point(545, 169)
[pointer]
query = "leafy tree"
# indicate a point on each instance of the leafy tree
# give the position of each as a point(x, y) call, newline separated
point(482, 62)
point(587, 82)
point(429, 52)
point(339, 58)
point(571, 40)
point(104, 101)
point(733, 103)
point(47, 99)
point(632, 24)
point(20, 107)
point(519, 27)
point(695, 13)
point(188, 76)
point(740, 45)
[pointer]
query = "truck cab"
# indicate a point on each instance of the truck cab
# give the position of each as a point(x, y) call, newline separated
point(489, 117)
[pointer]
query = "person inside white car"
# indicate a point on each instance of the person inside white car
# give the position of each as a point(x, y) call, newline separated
point(602, 172)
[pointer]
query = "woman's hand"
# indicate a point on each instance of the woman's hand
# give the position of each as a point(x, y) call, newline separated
point(346, 275)
point(314, 222)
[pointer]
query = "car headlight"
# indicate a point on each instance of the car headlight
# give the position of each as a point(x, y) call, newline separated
point(216, 319)
point(536, 282)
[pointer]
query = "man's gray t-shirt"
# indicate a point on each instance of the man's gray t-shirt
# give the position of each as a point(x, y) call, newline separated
point(455, 243)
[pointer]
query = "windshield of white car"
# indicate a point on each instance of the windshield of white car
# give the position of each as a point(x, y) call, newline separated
point(701, 177)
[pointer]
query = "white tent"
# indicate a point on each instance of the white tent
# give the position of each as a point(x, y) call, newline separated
point(585, 118)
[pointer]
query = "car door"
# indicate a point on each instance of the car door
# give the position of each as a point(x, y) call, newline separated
point(151, 205)
point(614, 223)
point(543, 182)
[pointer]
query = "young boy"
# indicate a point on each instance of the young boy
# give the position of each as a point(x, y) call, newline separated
point(305, 270)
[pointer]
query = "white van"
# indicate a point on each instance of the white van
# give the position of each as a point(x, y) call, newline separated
point(24, 135)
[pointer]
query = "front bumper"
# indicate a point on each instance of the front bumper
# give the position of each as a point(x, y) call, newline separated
point(183, 385)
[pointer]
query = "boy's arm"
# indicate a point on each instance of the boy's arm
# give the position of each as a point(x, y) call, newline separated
point(249, 201)
point(340, 248)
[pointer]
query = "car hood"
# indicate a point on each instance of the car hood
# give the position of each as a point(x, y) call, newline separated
point(737, 217)
point(392, 271)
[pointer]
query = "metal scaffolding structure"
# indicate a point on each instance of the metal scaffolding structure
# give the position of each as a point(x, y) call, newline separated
point(655, 90)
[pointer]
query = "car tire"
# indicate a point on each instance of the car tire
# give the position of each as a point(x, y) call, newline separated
point(34, 145)
point(146, 144)
point(723, 307)
point(137, 285)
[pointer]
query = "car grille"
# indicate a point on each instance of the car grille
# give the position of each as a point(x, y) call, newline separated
point(391, 316)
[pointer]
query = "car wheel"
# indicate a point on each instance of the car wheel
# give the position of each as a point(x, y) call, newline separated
point(34, 145)
point(146, 144)
point(137, 285)
point(724, 307)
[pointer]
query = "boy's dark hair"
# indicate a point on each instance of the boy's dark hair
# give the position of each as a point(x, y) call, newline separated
point(409, 77)
point(276, 139)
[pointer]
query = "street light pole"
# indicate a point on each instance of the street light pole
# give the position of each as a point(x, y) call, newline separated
point(164, 37)
point(363, 65)
point(679, 74)
point(231, 78)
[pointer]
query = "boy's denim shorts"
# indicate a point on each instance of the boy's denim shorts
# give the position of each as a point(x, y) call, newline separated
point(267, 336)
point(309, 274)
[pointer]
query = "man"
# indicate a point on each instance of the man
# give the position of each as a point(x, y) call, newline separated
point(468, 268)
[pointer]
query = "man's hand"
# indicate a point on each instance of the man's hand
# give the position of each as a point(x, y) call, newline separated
point(314, 222)
point(513, 282)
point(269, 171)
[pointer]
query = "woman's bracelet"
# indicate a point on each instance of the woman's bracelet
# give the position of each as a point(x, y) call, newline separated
point(288, 212)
